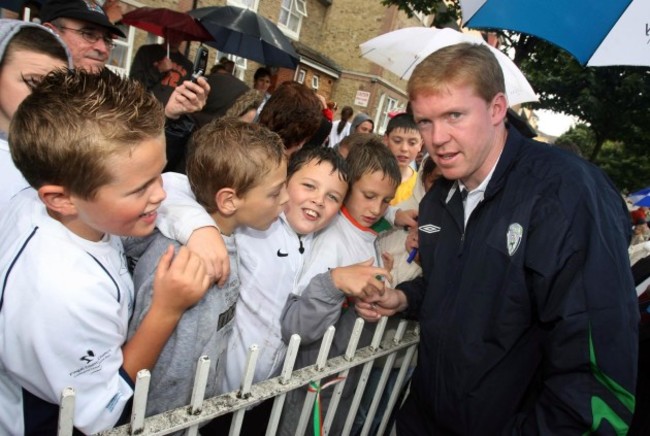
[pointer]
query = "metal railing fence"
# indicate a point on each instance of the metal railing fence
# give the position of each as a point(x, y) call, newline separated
point(200, 410)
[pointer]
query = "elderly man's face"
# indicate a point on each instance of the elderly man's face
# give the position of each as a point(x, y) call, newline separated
point(89, 44)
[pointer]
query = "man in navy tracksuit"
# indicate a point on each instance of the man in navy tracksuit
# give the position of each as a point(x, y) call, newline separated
point(527, 306)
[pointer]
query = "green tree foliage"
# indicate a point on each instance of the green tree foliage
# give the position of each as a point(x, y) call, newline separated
point(612, 101)
point(628, 169)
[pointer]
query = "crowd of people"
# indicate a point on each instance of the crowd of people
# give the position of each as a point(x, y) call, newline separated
point(272, 218)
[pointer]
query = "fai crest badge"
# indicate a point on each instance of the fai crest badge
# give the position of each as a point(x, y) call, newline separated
point(513, 238)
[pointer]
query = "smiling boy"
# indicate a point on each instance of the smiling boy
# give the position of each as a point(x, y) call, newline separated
point(67, 295)
point(340, 265)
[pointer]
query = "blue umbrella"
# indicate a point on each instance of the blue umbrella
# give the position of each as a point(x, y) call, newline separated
point(244, 33)
point(597, 33)
point(641, 198)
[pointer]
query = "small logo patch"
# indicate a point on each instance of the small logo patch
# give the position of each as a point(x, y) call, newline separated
point(281, 254)
point(429, 228)
point(88, 357)
point(513, 237)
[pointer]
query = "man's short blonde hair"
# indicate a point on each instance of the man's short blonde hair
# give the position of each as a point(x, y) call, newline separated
point(460, 64)
point(65, 131)
point(229, 153)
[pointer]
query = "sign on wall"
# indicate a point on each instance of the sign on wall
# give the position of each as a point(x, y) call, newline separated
point(362, 98)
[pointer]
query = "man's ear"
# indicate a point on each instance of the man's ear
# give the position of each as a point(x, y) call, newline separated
point(57, 199)
point(499, 107)
point(51, 27)
point(226, 201)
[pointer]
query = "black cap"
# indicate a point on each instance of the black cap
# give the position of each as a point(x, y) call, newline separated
point(84, 10)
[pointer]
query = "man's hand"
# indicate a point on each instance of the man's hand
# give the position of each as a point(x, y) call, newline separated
point(208, 244)
point(373, 307)
point(187, 98)
point(406, 218)
point(360, 279)
point(113, 10)
point(412, 240)
point(179, 283)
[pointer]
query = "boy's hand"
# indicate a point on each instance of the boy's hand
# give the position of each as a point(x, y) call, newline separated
point(187, 98)
point(180, 281)
point(388, 260)
point(406, 218)
point(372, 308)
point(208, 244)
point(361, 279)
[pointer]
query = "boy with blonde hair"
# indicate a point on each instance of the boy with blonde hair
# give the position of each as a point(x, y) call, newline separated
point(237, 171)
point(67, 295)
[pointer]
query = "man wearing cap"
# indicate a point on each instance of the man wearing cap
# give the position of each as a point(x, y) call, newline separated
point(84, 27)
point(88, 33)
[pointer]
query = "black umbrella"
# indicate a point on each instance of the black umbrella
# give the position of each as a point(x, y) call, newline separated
point(244, 33)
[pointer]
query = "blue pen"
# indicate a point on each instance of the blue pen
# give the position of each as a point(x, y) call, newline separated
point(412, 254)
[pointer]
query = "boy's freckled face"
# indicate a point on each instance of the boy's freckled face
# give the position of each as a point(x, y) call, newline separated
point(404, 144)
point(262, 205)
point(369, 198)
point(127, 205)
point(316, 193)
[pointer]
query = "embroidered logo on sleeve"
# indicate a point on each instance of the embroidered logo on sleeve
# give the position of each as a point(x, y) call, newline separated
point(429, 228)
point(513, 237)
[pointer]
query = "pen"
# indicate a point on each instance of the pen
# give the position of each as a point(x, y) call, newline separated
point(412, 254)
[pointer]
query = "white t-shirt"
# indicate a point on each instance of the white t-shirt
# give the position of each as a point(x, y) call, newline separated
point(335, 137)
point(11, 180)
point(65, 306)
point(269, 266)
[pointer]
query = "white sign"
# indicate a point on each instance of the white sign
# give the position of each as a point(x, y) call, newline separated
point(362, 98)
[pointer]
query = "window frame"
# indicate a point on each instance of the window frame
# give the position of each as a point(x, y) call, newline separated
point(244, 4)
point(295, 12)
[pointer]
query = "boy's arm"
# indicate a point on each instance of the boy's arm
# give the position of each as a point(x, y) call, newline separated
point(312, 312)
point(320, 304)
point(180, 281)
point(74, 336)
point(181, 218)
point(401, 218)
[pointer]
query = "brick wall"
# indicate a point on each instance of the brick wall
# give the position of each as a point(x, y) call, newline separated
point(336, 32)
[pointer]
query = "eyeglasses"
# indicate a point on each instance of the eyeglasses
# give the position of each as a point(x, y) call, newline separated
point(92, 36)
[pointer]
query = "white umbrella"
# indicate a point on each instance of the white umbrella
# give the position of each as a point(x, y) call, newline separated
point(597, 33)
point(401, 50)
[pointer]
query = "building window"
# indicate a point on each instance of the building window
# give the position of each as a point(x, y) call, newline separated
point(241, 64)
point(291, 14)
point(120, 59)
point(248, 4)
point(315, 82)
point(301, 76)
point(387, 105)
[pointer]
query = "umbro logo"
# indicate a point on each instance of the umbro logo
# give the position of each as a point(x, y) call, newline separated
point(429, 228)
point(281, 254)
